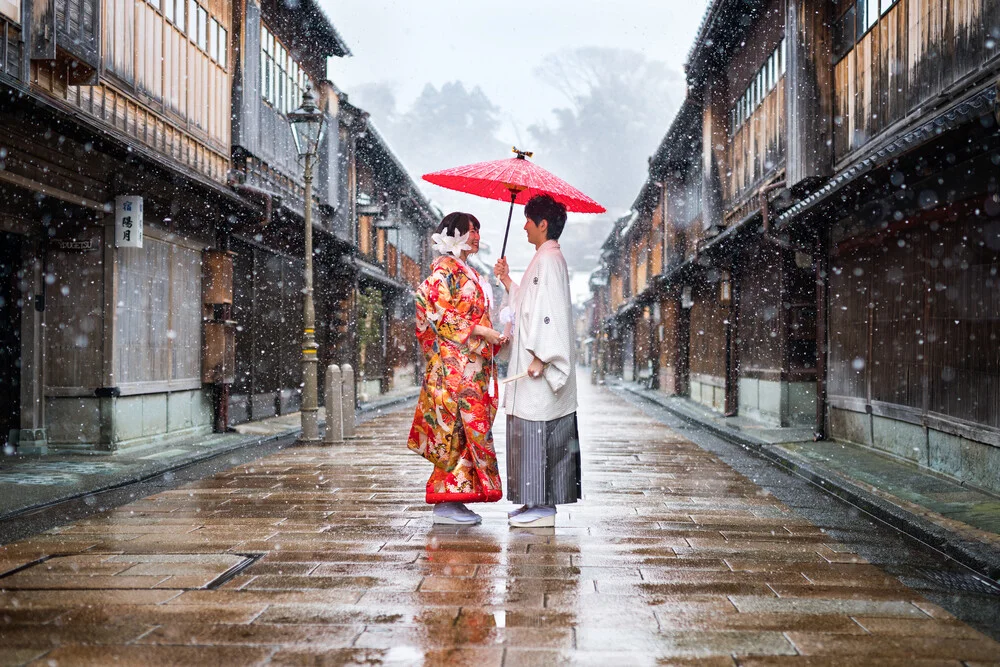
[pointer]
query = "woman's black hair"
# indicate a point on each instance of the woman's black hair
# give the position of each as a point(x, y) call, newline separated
point(457, 220)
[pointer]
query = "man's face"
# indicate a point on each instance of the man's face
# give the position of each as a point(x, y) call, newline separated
point(536, 231)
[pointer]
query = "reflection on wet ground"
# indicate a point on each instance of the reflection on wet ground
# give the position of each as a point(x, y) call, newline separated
point(328, 556)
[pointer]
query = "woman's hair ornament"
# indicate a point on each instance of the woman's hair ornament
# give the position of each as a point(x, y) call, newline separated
point(453, 243)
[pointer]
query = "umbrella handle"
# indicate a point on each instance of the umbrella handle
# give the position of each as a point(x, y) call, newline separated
point(510, 213)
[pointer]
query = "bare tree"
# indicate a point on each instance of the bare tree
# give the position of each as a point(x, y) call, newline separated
point(619, 106)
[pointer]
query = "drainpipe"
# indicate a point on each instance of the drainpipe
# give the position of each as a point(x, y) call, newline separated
point(270, 200)
point(764, 213)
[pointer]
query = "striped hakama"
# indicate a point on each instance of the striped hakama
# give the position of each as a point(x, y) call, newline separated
point(543, 461)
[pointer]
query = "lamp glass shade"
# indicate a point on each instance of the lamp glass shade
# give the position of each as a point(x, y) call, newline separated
point(307, 125)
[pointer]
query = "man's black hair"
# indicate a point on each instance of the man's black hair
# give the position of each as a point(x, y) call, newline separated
point(544, 207)
point(457, 220)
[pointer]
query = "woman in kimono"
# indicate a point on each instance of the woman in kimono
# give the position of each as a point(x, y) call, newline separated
point(458, 401)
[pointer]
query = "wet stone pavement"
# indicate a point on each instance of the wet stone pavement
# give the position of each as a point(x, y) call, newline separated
point(317, 556)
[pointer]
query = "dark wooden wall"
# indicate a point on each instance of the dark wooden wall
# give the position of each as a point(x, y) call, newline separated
point(755, 149)
point(760, 315)
point(917, 50)
point(267, 305)
point(708, 332)
point(915, 320)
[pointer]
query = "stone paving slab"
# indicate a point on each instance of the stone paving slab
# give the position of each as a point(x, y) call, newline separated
point(959, 520)
point(31, 482)
point(671, 558)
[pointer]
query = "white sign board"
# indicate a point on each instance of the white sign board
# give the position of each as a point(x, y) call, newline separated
point(128, 222)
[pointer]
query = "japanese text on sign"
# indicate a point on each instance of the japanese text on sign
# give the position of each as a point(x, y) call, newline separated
point(128, 222)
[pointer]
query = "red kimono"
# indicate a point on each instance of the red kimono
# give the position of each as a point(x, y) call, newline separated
point(455, 412)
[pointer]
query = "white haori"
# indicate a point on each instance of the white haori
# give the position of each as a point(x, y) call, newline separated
point(543, 328)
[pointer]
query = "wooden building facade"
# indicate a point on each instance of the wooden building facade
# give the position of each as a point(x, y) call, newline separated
point(831, 232)
point(181, 103)
point(100, 100)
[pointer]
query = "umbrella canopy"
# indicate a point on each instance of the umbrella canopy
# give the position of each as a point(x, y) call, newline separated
point(515, 180)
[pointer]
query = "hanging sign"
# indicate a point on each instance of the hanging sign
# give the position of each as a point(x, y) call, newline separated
point(128, 222)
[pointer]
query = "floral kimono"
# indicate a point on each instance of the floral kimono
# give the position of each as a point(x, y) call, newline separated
point(452, 425)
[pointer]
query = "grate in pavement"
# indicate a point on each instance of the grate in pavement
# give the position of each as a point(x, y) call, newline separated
point(248, 560)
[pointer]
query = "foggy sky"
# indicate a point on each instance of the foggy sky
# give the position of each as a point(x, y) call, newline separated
point(410, 43)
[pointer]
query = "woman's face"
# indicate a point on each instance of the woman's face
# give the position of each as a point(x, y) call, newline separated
point(473, 239)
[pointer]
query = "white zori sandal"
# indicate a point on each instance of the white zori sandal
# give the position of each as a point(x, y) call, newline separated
point(455, 514)
point(541, 516)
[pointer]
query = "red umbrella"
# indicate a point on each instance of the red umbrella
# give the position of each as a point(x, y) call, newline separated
point(516, 180)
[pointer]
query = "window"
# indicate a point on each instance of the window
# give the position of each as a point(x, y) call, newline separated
point(223, 47)
point(213, 42)
point(762, 83)
point(192, 29)
point(871, 13)
point(219, 45)
point(855, 23)
point(202, 23)
point(282, 79)
point(265, 63)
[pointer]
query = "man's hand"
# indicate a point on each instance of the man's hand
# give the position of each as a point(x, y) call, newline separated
point(535, 368)
point(502, 271)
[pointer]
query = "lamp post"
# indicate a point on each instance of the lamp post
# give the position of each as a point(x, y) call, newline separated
point(307, 130)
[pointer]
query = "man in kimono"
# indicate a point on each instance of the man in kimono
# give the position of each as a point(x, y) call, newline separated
point(543, 446)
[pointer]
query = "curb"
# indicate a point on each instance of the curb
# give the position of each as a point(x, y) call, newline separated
point(364, 413)
point(973, 554)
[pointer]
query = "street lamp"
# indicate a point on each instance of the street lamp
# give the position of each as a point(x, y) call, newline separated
point(307, 130)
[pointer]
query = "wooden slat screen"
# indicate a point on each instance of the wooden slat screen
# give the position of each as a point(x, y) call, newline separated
point(708, 333)
point(757, 148)
point(77, 299)
point(849, 296)
point(963, 280)
point(931, 304)
point(898, 330)
point(916, 50)
point(158, 321)
point(760, 313)
point(267, 305)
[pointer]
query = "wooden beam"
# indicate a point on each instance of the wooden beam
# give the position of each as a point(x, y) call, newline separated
point(50, 191)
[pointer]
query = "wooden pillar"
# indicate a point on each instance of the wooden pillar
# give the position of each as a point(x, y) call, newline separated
point(732, 345)
point(808, 90)
point(822, 259)
point(33, 438)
